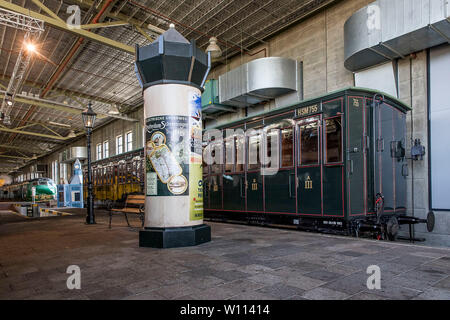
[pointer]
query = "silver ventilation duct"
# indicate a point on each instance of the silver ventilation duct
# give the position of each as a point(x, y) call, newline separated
point(390, 29)
point(74, 153)
point(260, 80)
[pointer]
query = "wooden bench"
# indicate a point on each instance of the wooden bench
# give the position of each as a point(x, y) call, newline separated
point(133, 204)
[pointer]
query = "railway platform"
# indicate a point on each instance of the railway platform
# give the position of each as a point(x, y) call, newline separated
point(241, 262)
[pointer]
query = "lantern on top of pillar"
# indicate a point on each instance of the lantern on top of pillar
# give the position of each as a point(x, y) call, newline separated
point(172, 72)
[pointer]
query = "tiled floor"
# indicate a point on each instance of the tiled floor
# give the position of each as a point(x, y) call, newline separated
point(241, 262)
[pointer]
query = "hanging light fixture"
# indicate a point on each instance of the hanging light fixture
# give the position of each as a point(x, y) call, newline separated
point(71, 134)
point(114, 110)
point(215, 50)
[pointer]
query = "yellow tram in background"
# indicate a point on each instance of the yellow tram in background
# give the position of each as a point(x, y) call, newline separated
point(115, 177)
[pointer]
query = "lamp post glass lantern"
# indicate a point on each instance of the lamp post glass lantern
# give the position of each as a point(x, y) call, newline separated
point(89, 116)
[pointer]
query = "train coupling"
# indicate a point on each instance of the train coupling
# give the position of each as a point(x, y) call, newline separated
point(430, 220)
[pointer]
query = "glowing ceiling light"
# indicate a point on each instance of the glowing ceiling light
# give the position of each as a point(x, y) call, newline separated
point(30, 47)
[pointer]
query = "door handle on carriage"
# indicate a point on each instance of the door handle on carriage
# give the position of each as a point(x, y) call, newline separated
point(290, 185)
point(405, 170)
point(380, 144)
point(241, 186)
point(351, 166)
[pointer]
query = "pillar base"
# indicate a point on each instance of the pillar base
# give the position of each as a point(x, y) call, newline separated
point(174, 237)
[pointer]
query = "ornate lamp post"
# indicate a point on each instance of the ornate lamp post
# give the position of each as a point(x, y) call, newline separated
point(89, 121)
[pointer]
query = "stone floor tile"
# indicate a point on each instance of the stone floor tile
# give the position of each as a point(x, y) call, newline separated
point(322, 293)
point(280, 291)
point(241, 262)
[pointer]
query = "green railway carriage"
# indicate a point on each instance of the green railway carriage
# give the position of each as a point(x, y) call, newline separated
point(342, 166)
point(45, 190)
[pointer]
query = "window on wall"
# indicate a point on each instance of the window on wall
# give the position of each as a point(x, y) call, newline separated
point(99, 151)
point(309, 142)
point(106, 149)
point(129, 141)
point(333, 140)
point(119, 144)
point(55, 169)
point(63, 173)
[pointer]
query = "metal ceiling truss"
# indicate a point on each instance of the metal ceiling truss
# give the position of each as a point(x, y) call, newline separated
point(22, 148)
point(19, 130)
point(86, 4)
point(21, 21)
point(57, 23)
point(16, 157)
point(33, 29)
point(55, 92)
point(30, 100)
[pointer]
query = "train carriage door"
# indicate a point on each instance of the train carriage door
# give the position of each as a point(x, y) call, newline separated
point(384, 163)
point(356, 156)
point(279, 179)
point(398, 157)
point(206, 184)
point(214, 149)
point(333, 169)
point(309, 169)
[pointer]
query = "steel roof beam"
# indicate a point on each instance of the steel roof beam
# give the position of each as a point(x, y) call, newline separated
point(104, 25)
point(46, 10)
point(15, 157)
point(37, 134)
point(26, 148)
point(86, 4)
point(66, 92)
point(61, 107)
point(63, 26)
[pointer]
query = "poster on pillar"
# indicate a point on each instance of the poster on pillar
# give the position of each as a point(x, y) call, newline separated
point(167, 150)
point(195, 166)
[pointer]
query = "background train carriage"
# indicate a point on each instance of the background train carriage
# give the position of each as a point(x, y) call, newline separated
point(339, 155)
point(115, 177)
point(45, 190)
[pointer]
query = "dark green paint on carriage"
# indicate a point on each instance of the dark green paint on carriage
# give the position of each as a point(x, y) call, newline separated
point(339, 187)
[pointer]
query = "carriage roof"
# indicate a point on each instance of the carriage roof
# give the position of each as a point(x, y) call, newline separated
point(341, 92)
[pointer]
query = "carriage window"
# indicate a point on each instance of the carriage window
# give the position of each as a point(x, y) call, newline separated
point(271, 136)
point(217, 153)
point(204, 166)
point(239, 152)
point(229, 155)
point(287, 147)
point(254, 145)
point(334, 140)
point(309, 143)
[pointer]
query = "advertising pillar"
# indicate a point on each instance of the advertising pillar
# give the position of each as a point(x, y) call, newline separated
point(172, 72)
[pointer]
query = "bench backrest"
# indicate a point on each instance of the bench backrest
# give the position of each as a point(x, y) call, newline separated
point(135, 200)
